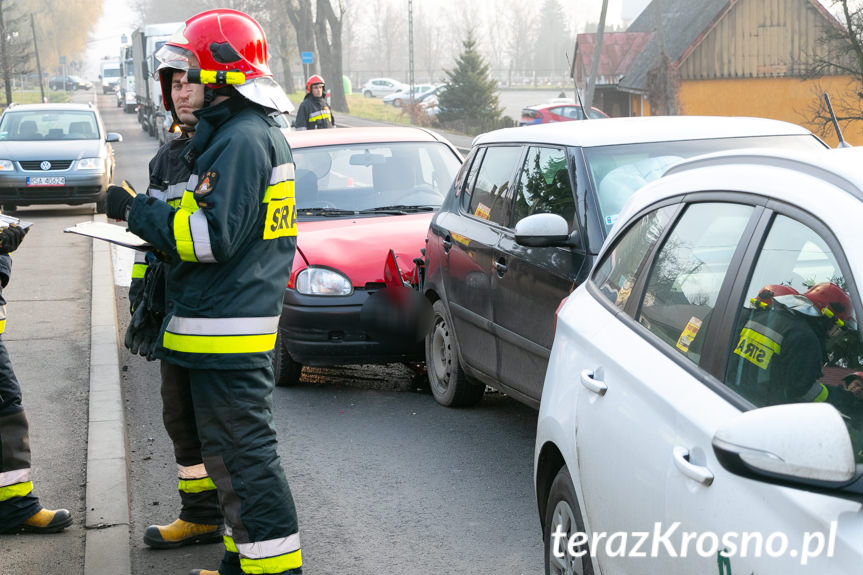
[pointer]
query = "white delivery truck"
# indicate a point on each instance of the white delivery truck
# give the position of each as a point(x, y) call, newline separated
point(146, 40)
point(126, 93)
point(109, 75)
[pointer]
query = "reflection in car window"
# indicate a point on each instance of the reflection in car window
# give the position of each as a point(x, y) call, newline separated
point(689, 270)
point(544, 187)
point(620, 267)
point(492, 193)
point(796, 337)
point(634, 165)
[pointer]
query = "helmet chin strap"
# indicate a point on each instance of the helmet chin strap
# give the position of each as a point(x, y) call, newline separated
point(210, 94)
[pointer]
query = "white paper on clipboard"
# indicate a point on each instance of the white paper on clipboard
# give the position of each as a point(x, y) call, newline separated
point(110, 233)
point(5, 221)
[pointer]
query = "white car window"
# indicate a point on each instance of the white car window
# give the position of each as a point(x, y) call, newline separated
point(688, 272)
point(796, 337)
point(616, 274)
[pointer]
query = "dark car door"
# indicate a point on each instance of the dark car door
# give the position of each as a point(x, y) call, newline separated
point(530, 282)
point(470, 234)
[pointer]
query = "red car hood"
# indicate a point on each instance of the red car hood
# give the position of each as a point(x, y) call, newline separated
point(358, 247)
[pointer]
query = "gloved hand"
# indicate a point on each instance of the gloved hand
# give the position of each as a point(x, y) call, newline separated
point(142, 333)
point(146, 323)
point(11, 237)
point(119, 200)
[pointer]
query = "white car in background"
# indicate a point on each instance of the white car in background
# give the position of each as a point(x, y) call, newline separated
point(378, 87)
point(403, 97)
point(646, 426)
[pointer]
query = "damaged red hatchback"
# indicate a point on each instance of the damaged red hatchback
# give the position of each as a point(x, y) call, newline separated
point(360, 192)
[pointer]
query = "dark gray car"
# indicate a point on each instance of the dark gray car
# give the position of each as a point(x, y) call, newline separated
point(519, 230)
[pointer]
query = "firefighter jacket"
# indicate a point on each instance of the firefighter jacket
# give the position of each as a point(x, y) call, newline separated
point(169, 175)
point(231, 239)
point(314, 113)
point(5, 273)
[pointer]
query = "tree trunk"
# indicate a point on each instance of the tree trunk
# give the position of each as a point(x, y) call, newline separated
point(328, 33)
point(300, 14)
point(4, 57)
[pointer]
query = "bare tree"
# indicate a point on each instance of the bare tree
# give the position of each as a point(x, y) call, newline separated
point(328, 36)
point(839, 51)
point(522, 25)
point(15, 44)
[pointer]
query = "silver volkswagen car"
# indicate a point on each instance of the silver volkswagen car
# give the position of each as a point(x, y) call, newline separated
point(54, 154)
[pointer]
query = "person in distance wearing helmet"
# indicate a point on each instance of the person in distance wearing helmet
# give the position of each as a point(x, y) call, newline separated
point(231, 243)
point(314, 112)
point(200, 519)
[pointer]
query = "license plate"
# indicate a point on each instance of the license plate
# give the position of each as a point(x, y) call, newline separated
point(47, 181)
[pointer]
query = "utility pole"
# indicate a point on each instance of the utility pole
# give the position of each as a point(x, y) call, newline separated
point(36, 51)
point(594, 63)
point(4, 57)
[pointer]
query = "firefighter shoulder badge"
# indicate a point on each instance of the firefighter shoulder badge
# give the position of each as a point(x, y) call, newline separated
point(206, 184)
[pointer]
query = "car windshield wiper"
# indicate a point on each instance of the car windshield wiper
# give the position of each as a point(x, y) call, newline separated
point(324, 212)
point(398, 209)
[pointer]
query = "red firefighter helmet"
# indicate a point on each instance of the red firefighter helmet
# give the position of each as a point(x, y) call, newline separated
point(831, 300)
point(767, 293)
point(315, 79)
point(222, 44)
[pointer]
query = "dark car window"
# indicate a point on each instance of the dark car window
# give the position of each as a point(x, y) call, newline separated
point(544, 186)
point(470, 179)
point(688, 272)
point(620, 267)
point(785, 347)
point(493, 191)
point(618, 171)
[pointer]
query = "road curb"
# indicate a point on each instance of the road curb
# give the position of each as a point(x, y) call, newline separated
point(106, 550)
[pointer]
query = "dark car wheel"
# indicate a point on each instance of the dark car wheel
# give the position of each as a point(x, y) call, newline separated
point(368, 94)
point(562, 511)
point(285, 369)
point(7, 207)
point(102, 204)
point(448, 381)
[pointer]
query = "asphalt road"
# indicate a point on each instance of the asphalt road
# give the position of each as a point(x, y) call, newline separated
point(385, 480)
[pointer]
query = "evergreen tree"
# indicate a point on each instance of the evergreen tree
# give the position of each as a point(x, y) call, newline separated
point(470, 98)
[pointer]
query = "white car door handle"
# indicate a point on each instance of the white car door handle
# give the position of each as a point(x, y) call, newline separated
point(595, 385)
point(695, 472)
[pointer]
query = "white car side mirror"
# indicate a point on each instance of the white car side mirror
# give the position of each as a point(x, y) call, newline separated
point(541, 230)
point(802, 445)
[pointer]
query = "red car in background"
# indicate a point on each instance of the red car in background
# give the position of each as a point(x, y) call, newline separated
point(546, 113)
point(360, 192)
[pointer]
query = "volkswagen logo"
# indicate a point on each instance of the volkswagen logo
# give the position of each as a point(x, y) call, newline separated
point(46, 165)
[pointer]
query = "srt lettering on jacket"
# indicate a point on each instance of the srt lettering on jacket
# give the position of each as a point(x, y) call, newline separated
point(281, 219)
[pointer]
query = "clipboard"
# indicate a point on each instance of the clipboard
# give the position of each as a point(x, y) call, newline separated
point(6, 220)
point(110, 233)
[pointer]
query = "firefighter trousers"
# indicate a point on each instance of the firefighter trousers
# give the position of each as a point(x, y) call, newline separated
point(233, 412)
point(17, 502)
point(198, 500)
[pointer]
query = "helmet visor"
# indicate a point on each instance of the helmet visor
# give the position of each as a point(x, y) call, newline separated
point(175, 57)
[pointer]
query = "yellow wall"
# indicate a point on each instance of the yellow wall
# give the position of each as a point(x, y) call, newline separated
point(787, 99)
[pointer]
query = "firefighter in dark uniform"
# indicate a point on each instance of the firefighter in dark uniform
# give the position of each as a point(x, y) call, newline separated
point(314, 112)
point(782, 345)
point(231, 242)
point(20, 510)
point(200, 518)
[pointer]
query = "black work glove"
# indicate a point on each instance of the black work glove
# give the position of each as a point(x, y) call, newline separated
point(10, 238)
point(119, 200)
point(146, 323)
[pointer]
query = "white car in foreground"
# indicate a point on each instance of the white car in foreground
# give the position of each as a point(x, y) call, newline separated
point(702, 411)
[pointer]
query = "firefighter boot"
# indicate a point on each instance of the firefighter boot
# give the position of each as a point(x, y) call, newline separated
point(46, 521)
point(181, 533)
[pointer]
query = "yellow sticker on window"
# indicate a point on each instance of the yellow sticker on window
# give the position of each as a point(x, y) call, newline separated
point(482, 211)
point(281, 219)
point(688, 334)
